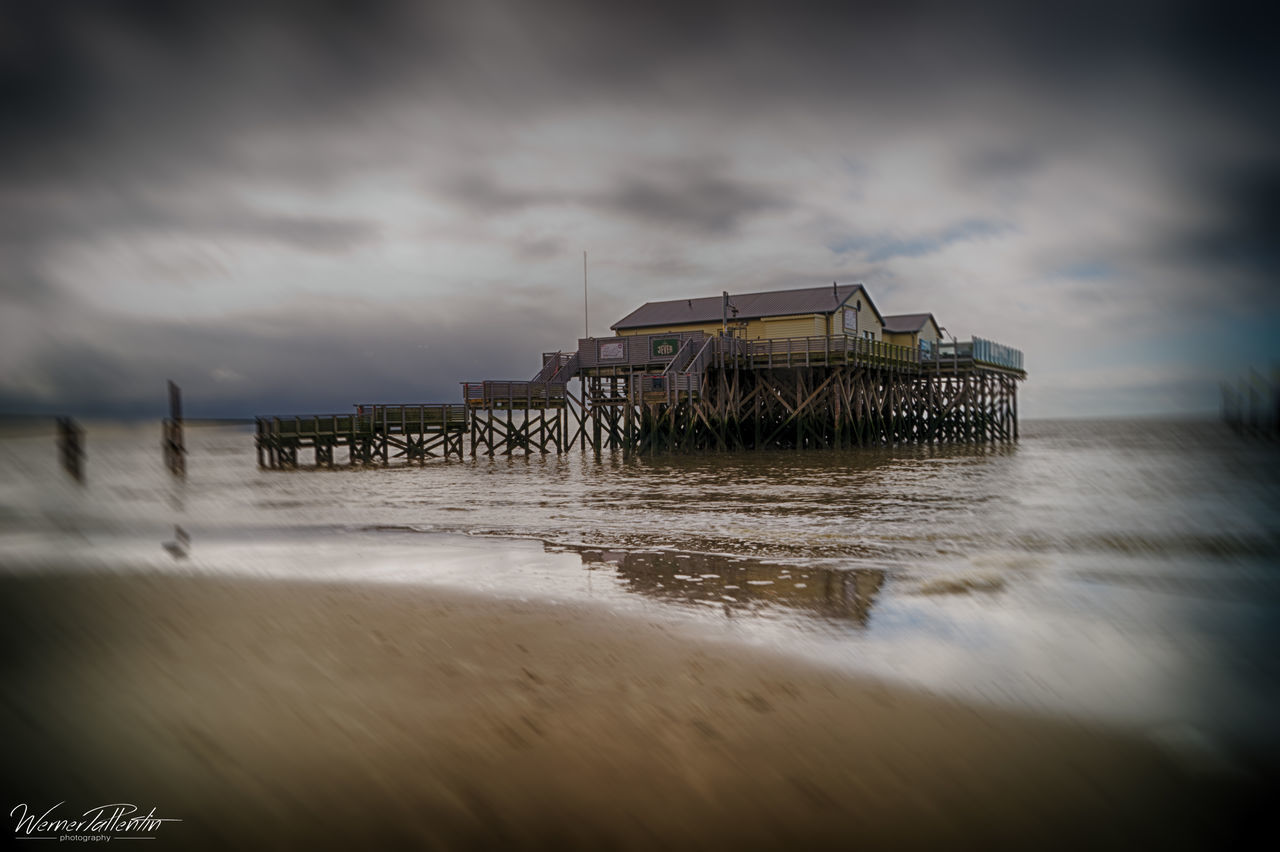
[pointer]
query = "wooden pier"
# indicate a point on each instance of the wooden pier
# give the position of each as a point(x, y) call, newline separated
point(809, 368)
point(530, 416)
point(715, 393)
point(371, 434)
point(832, 392)
point(506, 417)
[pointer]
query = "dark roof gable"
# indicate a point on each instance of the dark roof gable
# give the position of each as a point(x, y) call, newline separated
point(907, 323)
point(774, 303)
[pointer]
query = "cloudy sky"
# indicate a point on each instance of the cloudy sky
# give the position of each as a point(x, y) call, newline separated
point(298, 206)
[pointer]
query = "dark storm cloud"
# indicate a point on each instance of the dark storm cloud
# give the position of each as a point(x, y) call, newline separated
point(127, 80)
point(744, 56)
point(1228, 51)
point(540, 248)
point(482, 194)
point(30, 232)
point(703, 202)
point(166, 89)
point(696, 196)
point(81, 73)
point(30, 226)
point(1246, 236)
point(311, 233)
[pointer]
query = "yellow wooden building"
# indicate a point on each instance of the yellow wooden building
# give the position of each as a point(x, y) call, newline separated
point(912, 329)
point(810, 312)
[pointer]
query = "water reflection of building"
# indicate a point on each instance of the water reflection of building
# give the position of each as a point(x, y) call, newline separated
point(742, 587)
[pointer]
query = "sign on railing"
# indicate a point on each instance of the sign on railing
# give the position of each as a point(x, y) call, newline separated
point(663, 347)
point(613, 350)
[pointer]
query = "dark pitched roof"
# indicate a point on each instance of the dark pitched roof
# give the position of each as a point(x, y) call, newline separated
point(774, 303)
point(907, 323)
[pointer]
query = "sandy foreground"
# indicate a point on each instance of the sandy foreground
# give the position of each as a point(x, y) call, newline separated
point(268, 714)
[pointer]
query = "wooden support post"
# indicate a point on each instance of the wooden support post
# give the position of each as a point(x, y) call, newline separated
point(71, 448)
point(596, 413)
point(175, 450)
point(1013, 396)
point(629, 423)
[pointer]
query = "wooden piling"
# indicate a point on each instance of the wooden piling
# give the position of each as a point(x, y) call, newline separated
point(71, 448)
point(175, 449)
point(792, 400)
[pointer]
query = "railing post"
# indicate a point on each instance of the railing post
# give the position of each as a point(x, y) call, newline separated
point(386, 446)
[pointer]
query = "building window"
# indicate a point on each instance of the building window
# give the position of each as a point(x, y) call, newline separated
point(869, 335)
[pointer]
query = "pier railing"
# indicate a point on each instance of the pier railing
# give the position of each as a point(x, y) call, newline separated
point(832, 349)
point(502, 394)
point(703, 358)
point(664, 387)
point(653, 350)
point(557, 366)
point(683, 376)
point(305, 425)
point(976, 351)
point(365, 420)
point(693, 352)
point(638, 350)
point(989, 352)
point(683, 356)
point(397, 418)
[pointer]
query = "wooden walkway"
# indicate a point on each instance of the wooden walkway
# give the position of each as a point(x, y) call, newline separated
point(372, 433)
point(515, 395)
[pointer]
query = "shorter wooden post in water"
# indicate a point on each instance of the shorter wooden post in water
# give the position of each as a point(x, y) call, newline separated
point(175, 450)
point(71, 447)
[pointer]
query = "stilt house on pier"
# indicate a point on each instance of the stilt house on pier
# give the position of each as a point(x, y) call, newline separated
point(810, 368)
point(810, 312)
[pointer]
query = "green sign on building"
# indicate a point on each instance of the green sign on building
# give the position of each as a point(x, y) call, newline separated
point(663, 347)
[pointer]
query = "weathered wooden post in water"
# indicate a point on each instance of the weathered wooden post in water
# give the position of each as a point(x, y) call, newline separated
point(71, 447)
point(175, 451)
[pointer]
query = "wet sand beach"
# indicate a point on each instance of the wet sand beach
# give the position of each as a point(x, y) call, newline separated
point(269, 714)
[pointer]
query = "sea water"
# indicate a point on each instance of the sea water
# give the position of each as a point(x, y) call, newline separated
point(1118, 570)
